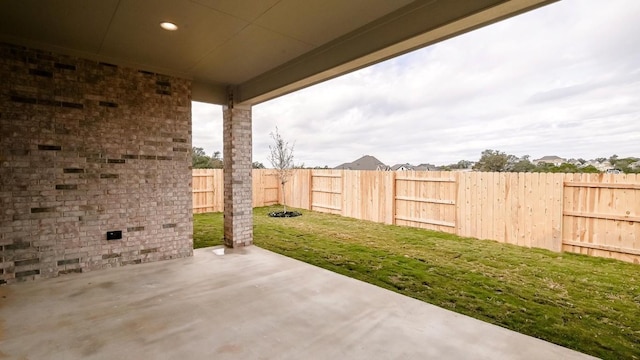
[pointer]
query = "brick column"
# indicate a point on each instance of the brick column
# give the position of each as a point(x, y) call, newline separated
point(238, 211)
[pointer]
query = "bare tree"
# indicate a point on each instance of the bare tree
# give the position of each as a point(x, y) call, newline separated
point(281, 158)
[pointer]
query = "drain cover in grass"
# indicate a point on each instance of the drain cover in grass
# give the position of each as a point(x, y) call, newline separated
point(284, 214)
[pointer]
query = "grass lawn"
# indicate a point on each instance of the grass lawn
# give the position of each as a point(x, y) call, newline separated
point(584, 303)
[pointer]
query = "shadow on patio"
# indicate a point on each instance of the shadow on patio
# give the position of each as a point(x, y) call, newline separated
point(247, 304)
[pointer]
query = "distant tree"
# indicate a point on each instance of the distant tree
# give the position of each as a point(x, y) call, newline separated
point(589, 169)
point(613, 158)
point(566, 168)
point(582, 161)
point(544, 167)
point(281, 158)
point(257, 165)
point(460, 165)
point(512, 160)
point(492, 160)
point(624, 165)
point(523, 165)
point(216, 160)
point(200, 160)
point(601, 160)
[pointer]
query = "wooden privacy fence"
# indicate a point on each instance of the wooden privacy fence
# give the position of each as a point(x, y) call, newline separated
point(208, 189)
point(594, 214)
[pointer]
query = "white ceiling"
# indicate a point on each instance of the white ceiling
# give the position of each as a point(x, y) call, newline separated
point(261, 48)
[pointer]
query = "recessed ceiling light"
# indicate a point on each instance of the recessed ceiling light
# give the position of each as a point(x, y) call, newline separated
point(168, 26)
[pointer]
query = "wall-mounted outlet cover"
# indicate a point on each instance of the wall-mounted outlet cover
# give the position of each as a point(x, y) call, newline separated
point(114, 235)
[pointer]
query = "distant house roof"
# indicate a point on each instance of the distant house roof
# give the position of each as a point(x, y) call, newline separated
point(366, 162)
point(397, 167)
point(549, 158)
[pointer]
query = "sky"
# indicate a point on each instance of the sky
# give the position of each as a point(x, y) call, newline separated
point(560, 80)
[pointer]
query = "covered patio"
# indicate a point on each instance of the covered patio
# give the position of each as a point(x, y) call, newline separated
point(96, 98)
point(247, 304)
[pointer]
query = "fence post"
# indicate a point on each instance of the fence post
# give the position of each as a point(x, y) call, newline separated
point(457, 201)
point(393, 197)
point(343, 198)
point(310, 188)
point(558, 209)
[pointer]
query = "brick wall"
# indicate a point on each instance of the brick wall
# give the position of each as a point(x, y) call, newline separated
point(87, 148)
point(238, 209)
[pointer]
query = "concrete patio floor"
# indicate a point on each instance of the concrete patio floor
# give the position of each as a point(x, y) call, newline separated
point(247, 304)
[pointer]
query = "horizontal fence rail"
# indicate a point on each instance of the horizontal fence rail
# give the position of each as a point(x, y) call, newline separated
point(593, 214)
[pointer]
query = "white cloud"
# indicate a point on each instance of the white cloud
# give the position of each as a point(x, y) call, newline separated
point(561, 80)
point(207, 127)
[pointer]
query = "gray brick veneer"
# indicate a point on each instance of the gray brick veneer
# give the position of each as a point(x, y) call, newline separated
point(238, 210)
point(85, 148)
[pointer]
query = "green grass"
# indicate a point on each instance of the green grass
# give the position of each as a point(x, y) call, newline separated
point(584, 303)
